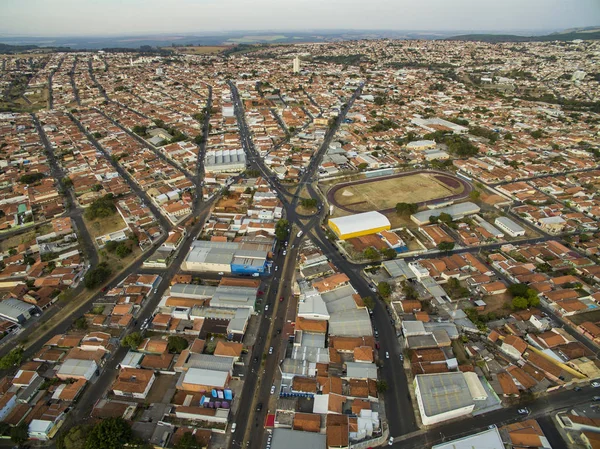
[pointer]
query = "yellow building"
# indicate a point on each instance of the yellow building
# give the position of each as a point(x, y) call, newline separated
point(358, 225)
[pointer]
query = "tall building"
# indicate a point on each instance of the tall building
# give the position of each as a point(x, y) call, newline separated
point(296, 65)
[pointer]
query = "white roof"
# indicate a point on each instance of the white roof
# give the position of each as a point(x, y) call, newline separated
point(360, 222)
point(201, 376)
point(40, 426)
point(476, 389)
point(488, 439)
point(77, 367)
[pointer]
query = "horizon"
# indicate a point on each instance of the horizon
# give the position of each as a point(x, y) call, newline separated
point(114, 18)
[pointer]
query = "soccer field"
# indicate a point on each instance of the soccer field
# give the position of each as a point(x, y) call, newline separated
point(386, 193)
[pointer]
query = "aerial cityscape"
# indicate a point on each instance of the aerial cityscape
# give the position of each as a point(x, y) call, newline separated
point(307, 237)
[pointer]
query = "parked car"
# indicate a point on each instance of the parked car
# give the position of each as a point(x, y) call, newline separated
point(596, 398)
point(387, 355)
point(272, 389)
point(401, 358)
point(577, 389)
point(271, 350)
point(267, 308)
point(259, 407)
point(284, 252)
point(391, 441)
point(523, 411)
point(233, 427)
point(595, 384)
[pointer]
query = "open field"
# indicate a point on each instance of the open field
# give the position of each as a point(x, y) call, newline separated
point(579, 318)
point(384, 193)
point(102, 226)
point(200, 50)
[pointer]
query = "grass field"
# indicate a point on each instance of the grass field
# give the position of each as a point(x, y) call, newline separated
point(385, 194)
point(579, 318)
point(102, 226)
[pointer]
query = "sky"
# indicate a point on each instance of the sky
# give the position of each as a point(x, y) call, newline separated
point(130, 17)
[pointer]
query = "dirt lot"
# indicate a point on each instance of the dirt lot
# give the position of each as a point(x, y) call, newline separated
point(495, 303)
point(102, 226)
point(202, 50)
point(161, 385)
point(386, 193)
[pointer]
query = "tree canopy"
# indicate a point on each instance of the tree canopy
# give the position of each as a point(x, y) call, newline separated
point(177, 344)
point(110, 433)
point(13, 358)
point(133, 340)
point(97, 276)
point(406, 208)
point(281, 229)
point(384, 289)
point(101, 208)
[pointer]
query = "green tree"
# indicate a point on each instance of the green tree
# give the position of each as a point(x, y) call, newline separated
point(369, 302)
point(362, 166)
point(31, 178)
point(446, 246)
point(187, 441)
point(389, 253)
point(474, 195)
point(19, 434)
point(13, 358)
point(177, 344)
point(75, 438)
point(537, 133)
point(371, 253)
point(281, 229)
point(123, 250)
point(81, 323)
point(384, 289)
point(406, 208)
point(382, 386)
point(308, 202)
point(445, 218)
point(519, 303)
point(434, 219)
point(518, 289)
point(101, 208)
point(133, 340)
point(97, 276)
point(111, 433)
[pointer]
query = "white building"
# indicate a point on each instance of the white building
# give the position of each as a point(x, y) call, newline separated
point(442, 397)
point(296, 65)
point(509, 226)
point(488, 439)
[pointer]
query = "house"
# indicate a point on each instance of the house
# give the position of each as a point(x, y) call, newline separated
point(513, 346)
point(133, 382)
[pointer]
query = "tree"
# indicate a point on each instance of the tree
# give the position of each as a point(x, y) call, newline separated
point(75, 438)
point(97, 276)
point(518, 289)
point(384, 289)
point(519, 303)
point(371, 253)
point(81, 324)
point(474, 195)
point(434, 219)
point(446, 246)
point(369, 302)
point(537, 133)
point(362, 166)
point(281, 229)
point(101, 208)
point(31, 178)
point(382, 386)
point(406, 208)
point(111, 433)
point(187, 441)
point(177, 344)
point(445, 218)
point(13, 358)
point(389, 253)
point(308, 202)
point(20, 433)
point(123, 250)
point(133, 340)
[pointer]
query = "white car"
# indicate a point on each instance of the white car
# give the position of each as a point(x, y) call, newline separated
point(271, 350)
point(284, 252)
point(595, 384)
point(221, 273)
point(373, 289)
point(267, 308)
point(273, 389)
point(523, 411)
point(391, 441)
point(233, 426)
point(276, 268)
point(387, 355)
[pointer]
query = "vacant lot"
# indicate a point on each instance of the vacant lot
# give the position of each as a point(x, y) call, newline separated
point(579, 318)
point(386, 193)
point(102, 226)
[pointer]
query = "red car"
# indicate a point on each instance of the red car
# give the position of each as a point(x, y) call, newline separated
point(281, 299)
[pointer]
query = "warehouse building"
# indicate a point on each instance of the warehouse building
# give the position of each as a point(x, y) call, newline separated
point(224, 160)
point(16, 311)
point(358, 225)
point(245, 257)
point(509, 226)
point(456, 211)
point(445, 396)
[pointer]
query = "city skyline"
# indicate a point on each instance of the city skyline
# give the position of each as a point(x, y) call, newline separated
point(135, 17)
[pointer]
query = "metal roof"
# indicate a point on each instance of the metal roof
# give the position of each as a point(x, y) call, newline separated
point(201, 376)
point(360, 222)
point(361, 370)
point(397, 268)
point(296, 439)
point(443, 392)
